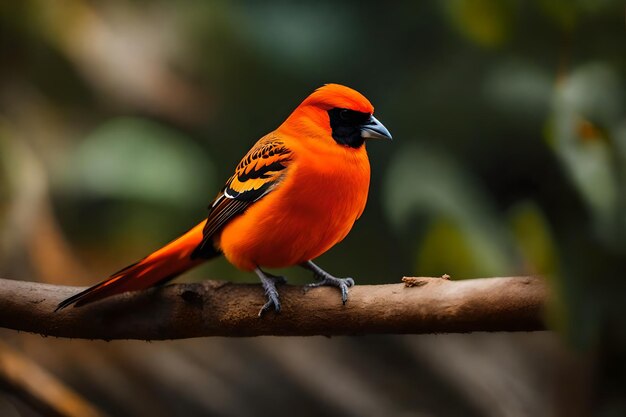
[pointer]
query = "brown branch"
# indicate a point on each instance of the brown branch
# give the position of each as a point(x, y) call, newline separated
point(210, 308)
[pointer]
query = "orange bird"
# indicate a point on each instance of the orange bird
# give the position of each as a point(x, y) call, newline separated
point(294, 195)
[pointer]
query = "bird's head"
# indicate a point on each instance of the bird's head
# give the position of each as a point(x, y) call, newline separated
point(338, 112)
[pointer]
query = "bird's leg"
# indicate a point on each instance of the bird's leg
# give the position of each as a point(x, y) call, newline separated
point(278, 279)
point(324, 278)
point(269, 282)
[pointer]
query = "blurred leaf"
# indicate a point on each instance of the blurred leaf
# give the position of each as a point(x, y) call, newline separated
point(566, 13)
point(462, 218)
point(594, 91)
point(5, 172)
point(534, 239)
point(486, 22)
point(289, 33)
point(618, 134)
point(448, 248)
point(130, 158)
point(586, 106)
point(563, 12)
point(519, 89)
point(539, 256)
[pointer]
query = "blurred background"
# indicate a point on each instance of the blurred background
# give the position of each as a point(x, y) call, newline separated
point(120, 120)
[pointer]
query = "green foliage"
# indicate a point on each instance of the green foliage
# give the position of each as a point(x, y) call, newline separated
point(567, 13)
point(519, 90)
point(487, 22)
point(539, 255)
point(128, 158)
point(534, 239)
point(465, 235)
point(585, 131)
point(447, 248)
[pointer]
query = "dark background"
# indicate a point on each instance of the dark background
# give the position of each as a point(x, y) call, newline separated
point(120, 120)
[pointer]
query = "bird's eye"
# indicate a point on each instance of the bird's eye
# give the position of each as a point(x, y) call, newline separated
point(348, 117)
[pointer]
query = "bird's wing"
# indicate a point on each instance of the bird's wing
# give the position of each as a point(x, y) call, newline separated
point(258, 173)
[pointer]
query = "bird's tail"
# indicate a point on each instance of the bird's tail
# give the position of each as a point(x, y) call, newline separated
point(160, 266)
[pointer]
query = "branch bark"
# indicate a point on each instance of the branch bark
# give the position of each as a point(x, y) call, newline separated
point(212, 308)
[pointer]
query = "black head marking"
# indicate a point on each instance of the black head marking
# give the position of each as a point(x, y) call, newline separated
point(346, 126)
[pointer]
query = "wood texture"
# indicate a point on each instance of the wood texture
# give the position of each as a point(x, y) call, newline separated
point(211, 308)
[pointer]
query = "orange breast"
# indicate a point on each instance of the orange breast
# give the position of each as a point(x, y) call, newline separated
point(323, 193)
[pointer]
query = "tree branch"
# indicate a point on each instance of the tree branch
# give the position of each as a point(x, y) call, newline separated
point(211, 308)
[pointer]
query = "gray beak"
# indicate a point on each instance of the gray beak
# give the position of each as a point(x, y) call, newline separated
point(373, 129)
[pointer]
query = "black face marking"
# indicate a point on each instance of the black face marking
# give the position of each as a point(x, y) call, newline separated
point(346, 126)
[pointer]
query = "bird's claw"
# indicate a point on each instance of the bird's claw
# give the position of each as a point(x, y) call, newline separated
point(269, 282)
point(272, 300)
point(328, 280)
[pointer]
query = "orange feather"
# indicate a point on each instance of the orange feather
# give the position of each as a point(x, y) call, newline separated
point(294, 195)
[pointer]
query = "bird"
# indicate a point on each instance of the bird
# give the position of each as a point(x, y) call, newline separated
point(294, 195)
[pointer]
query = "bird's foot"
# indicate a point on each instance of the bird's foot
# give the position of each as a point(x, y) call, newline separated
point(326, 279)
point(271, 302)
point(269, 282)
point(342, 283)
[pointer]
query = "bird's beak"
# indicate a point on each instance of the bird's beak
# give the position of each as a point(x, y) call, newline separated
point(373, 129)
